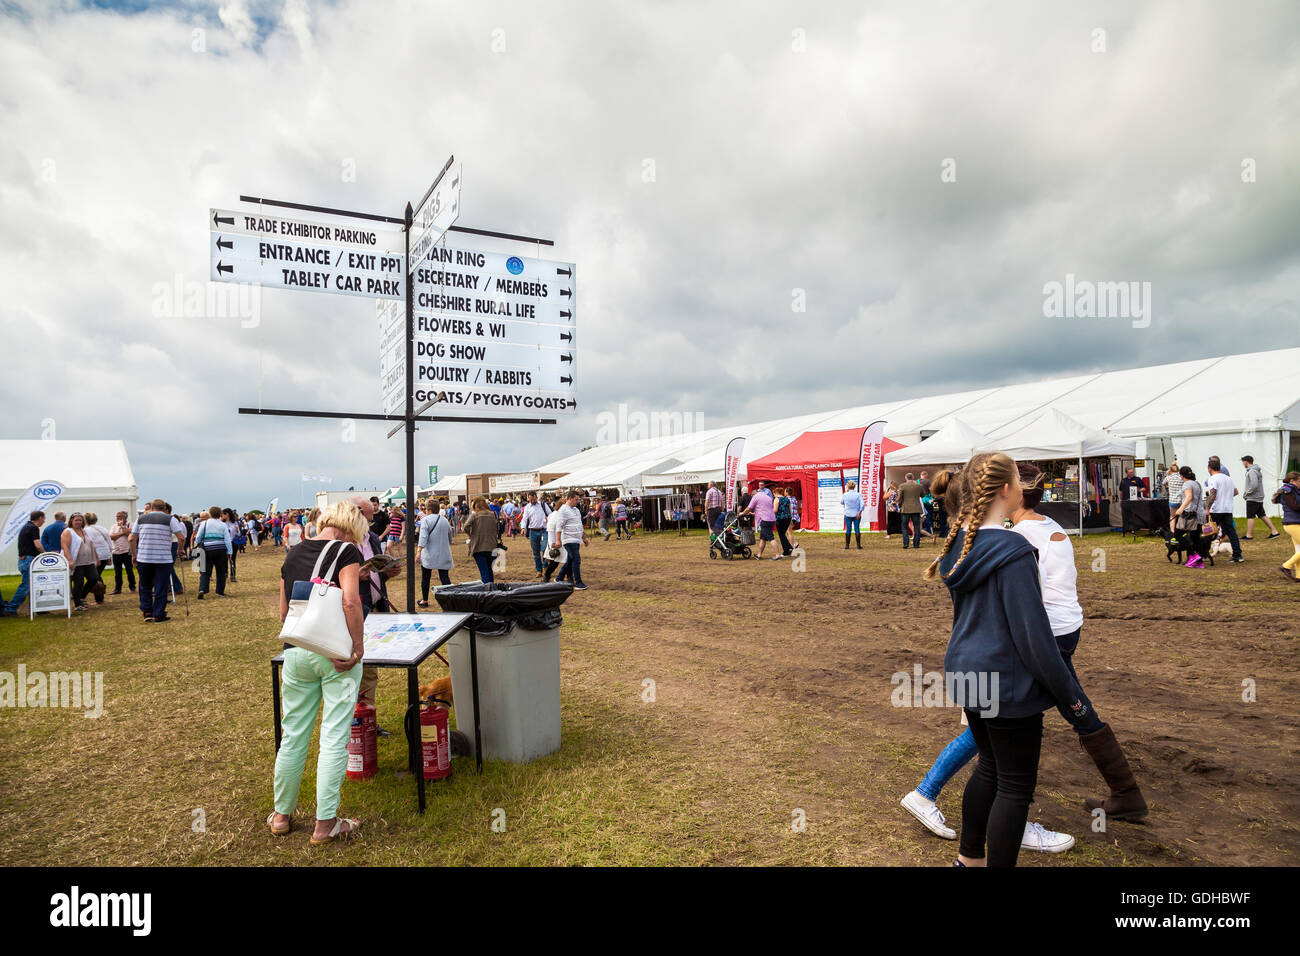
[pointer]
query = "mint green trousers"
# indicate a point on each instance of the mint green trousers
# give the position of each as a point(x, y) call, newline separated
point(306, 680)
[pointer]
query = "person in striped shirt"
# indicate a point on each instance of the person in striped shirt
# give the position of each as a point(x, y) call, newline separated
point(713, 506)
point(213, 535)
point(152, 537)
point(395, 522)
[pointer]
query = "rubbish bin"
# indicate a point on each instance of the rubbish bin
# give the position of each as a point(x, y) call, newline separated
point(518, 630)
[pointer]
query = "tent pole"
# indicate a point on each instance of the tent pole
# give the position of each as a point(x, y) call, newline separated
point(1082, 486)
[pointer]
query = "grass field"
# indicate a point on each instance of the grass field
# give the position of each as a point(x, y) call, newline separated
point(771, 703)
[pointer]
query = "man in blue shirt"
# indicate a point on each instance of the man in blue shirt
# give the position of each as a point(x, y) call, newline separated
point(52, 537)
point(852, 502)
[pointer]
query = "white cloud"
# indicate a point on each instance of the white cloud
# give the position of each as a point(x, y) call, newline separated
point(236, 18)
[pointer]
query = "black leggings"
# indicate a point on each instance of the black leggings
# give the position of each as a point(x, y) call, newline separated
point(426, 574)
point(84, 577)
point(995, 804)
point(782, 524)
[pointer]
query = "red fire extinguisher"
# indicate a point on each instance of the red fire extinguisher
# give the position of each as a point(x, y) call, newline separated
point(435, 739)
point(363, 746)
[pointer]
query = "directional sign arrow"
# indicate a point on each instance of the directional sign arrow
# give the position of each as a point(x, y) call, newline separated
point(224, 268)
point(566, 379)
point(222, 220)
point(564, 272)
point(566, 357)
point(566, 292)
point(565, 336)
point(224, 243)
point(565, 315)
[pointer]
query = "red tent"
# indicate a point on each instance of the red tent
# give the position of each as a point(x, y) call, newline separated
point(798, 463)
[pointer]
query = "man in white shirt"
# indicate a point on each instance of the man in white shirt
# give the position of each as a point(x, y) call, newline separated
point(534, 524)
point(571, 535)
point(1220, 491)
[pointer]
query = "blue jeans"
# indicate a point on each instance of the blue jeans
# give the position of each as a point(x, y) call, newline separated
point(153, 588)
point(1224, 521)
point(955, 756)
point(573, 567)
point(536, 539)
point(852, 526)
point(15, 602)
point(916, 529)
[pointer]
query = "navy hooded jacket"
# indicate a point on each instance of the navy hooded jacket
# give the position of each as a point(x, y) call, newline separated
point(999, 626)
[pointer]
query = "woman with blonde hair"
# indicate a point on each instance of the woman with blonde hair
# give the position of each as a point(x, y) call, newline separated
point(1002, 654)
point(310, 680)
point(312, 517)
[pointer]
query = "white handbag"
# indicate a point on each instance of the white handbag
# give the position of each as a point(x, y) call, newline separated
point(318, 624)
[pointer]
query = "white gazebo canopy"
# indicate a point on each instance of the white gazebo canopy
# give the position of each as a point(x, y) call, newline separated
point(1054, 435)
point(952, 444)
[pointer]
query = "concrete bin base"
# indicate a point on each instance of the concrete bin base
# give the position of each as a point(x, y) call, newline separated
point(519, 687)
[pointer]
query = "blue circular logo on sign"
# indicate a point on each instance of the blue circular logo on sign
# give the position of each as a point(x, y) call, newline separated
point(515, 265)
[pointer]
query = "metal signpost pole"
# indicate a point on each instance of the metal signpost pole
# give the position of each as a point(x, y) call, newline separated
point(409, 526)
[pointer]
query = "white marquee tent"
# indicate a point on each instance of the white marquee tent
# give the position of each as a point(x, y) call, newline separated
point(96, 474)
point(1227, 406)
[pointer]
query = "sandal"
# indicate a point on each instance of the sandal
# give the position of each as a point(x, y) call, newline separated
point(278, 831)
point(421, 603)
point(339, 831)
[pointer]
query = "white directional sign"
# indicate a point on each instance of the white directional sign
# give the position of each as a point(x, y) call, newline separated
point(506, 331)
point(495, 335)
point(506, 354)
point(494, 285)
point(473, 403)
point(436, 214)
point(237, 222)
point(391, 317)
point(306, 265)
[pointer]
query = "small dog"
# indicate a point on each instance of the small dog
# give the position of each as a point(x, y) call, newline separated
point(1221, 546)
point(440, 688)
point(1173, 546)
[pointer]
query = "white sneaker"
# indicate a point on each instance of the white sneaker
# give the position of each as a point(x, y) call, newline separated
point(1039, 838)
point(929, 814)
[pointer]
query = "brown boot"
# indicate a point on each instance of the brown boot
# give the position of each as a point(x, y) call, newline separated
point(1125, 801)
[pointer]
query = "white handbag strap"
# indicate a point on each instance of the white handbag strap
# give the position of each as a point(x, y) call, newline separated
point(329, 575)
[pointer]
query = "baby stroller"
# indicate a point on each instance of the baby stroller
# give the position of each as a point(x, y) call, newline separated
point(728, 542)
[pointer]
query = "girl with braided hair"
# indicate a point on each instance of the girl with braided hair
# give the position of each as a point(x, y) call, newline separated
point(1060, 597)
point(1001, 641)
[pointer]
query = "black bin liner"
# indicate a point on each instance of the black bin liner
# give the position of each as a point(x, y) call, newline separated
point(497, 607)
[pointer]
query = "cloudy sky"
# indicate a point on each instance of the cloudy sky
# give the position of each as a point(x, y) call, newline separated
point(775, 208)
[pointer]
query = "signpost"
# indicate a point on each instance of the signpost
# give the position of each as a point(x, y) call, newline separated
point(50, 585)
point(494, 334)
